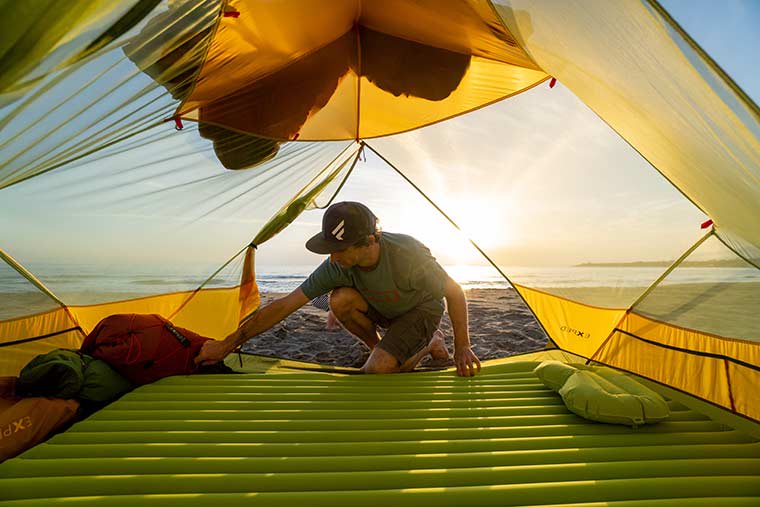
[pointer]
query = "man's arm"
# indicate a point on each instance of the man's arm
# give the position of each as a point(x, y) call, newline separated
point(214, 351)
point(465, 359)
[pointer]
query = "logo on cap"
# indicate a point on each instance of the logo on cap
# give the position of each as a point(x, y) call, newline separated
point(343, 224)
point(339, 230)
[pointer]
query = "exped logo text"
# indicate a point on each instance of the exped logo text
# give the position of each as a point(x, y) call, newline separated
point(15, 427)
point(575, 332)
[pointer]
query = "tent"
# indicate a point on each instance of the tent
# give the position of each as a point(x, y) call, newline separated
point(138, 129)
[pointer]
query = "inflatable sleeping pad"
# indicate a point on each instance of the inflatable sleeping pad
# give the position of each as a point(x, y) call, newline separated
point(318, 439)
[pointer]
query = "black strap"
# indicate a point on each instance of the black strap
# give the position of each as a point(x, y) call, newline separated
point(182, 339)
point(692, 352)
point(41, 337)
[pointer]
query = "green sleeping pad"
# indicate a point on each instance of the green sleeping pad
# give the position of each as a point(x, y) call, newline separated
point(320, 439)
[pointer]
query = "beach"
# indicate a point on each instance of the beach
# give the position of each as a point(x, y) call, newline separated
point(718, 301)
point(500, 326)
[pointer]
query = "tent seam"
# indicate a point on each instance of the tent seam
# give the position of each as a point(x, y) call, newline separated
point(697, 331)
point(212, 36)
point(609, 337)
point(700, 353)
point(411, 129)
point(713, 403)
point(41, 337)
point(730, 391)
point(203, 284)
point(744, 98)
point(735, 252)
point(345, 178)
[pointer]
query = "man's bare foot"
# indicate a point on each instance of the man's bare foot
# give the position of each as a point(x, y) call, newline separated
point(438, 350)
point(332, 322)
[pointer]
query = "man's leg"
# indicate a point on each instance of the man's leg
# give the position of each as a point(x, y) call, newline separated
point(332, 323)
point(350, 308)
point(380, 361)
point(407, 340)
point(438, 349)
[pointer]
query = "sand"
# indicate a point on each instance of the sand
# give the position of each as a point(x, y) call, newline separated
point(500, 326)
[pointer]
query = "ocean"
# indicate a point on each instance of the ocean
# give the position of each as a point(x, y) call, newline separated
point(73, 278)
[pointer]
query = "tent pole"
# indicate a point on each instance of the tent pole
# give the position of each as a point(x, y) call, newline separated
point(237, 254)
point(671, 268)
point(206, 281)
point(41, 286)
point(345, 178)
point(652, 287)
point(30, 277)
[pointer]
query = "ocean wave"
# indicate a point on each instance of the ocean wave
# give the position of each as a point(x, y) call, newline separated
point(282, 277)
point(185, 282)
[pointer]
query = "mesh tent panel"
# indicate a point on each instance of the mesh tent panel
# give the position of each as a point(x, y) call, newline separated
point(564, 210)
point(724, 302)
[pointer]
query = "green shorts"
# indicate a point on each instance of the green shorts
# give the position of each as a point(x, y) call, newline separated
point(407, 334)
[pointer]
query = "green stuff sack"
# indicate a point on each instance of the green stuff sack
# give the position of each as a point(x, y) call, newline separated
point(70, 374)
point(101, 382)
point(57, 374)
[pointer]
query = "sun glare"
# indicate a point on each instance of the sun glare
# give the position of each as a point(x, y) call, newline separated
point(448, 244)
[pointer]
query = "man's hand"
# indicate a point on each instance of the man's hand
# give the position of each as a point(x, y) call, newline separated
point(212, 352)
point(267, 316)
point(466, 361)
point(464, 357)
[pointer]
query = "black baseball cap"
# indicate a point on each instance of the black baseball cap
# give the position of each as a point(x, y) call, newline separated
point(343, 225)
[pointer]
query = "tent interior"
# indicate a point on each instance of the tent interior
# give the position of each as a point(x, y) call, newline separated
point(157, 155)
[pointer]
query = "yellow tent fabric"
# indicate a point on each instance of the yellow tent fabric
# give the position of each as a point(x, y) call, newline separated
point(317, 71)
point(293, 92)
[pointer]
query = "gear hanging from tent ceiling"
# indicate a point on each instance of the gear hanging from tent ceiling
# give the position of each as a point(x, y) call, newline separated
point(331, 71)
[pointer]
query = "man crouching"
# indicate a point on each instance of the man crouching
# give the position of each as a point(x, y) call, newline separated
point(376, 280)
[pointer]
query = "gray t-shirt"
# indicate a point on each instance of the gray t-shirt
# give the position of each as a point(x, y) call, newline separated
point(407, 276)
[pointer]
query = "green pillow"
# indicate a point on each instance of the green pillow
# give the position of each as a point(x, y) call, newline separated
point(554, 374)
point(603, 394)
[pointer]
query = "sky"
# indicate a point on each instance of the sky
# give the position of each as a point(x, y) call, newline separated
point(592, 215)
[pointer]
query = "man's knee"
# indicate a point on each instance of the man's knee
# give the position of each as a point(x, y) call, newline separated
point(380, 361)
point(344, 300)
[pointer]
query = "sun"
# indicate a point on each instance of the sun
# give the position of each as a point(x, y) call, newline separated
point(451, 246)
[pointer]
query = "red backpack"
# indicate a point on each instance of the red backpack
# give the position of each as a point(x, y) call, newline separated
point(144, 348)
